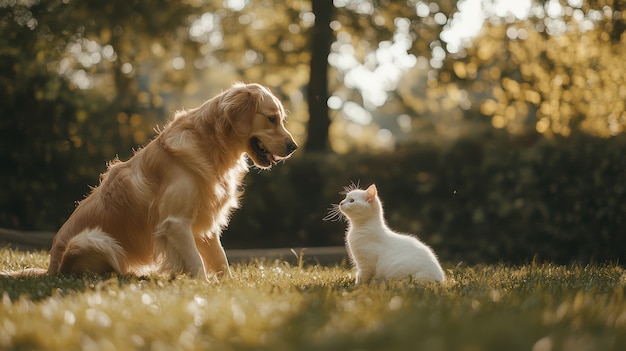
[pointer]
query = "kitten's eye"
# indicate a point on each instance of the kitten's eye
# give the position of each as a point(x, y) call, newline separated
point(272, 119)
point(351, 200)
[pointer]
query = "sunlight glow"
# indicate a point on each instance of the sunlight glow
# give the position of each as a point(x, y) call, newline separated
point(356, 113)
point(201, 28)
point(383, 69)
point(178, 63)
point(235, 5)
point(469, 20)
point(334, 102)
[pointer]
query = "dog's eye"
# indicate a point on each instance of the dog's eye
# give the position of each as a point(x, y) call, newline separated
point(272, 119)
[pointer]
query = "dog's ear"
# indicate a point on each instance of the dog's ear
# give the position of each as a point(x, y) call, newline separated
point(239, 106)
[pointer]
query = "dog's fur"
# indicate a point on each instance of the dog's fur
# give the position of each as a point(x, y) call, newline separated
point(166, 206)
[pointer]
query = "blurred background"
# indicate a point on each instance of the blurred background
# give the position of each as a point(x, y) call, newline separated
point(494, 129)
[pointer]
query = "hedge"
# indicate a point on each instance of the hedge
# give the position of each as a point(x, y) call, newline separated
point(476, 201)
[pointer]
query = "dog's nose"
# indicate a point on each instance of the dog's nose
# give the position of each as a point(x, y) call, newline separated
point(291, 146)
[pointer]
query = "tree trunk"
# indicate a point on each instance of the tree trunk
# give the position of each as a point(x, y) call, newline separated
point(619, 25)
point(317, 94)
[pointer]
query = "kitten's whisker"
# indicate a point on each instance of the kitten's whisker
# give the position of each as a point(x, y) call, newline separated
point(334, 214)
point(349, 188)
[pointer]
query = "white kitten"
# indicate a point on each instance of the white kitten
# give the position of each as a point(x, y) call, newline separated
point(376, 251)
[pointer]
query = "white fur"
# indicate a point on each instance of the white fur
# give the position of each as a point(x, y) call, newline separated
point(378, 252)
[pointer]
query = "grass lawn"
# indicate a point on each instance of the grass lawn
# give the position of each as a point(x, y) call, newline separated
point(277, 306)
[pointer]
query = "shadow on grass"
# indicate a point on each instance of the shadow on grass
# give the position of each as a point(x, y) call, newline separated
point(37, 288)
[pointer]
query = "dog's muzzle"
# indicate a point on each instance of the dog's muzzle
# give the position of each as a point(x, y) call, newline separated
point(291, 146)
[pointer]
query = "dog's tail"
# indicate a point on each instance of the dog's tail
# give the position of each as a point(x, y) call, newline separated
point(95, 251)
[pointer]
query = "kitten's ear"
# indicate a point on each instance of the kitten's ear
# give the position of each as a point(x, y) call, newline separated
point(371, 193)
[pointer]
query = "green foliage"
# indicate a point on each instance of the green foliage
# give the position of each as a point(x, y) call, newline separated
point(534, 76)
point(56, 134)
point(272, 305)
point(547, 72)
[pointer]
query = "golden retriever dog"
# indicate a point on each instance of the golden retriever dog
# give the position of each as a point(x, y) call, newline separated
point(166, 206)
